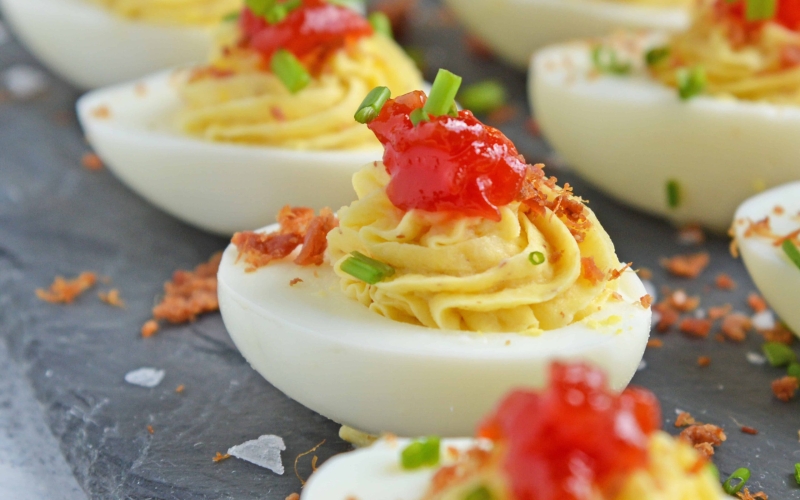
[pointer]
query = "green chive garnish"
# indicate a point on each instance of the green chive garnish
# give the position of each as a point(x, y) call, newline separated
point(656, 55)
point(260, 7)
point(673, 193)
point(483, 97)
point(791, 251)
point(740, 477)
point(381, 24)
point(797, 473)
point(372, 104)
point(230, 18)
point(760, 10)
point(479, 493)
point(419, 115)
point(536, 258)
point(793, 370)
point(279, 11)
point(443, 93)
point(778, 354)
point(366, 269)
point(605, 60)
point(290, 71)
point(691, 82)
point(421, 453)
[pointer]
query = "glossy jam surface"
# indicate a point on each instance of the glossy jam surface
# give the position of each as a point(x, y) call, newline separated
point(787, 14)
point(447, 164)
point(312, 30)
point(575, 438)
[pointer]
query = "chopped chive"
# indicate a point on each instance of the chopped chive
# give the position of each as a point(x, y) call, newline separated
point(260, 7)
point(793, 370)
point(381, 24)
point(290, 71)
point(760, 10)
point(778, 354)
point(279, 11)
point(605, 60)
point(453, 111)
point(797, 473)
point(372, 104)
point(232, 17)
point(479, 493)
point(419, 115)
point(740, 476)
point(443, 93)
point(366, 269)
point(536, 258)
point(483, 97)
point(691, 82)
point(673, 193)
point(656, 55)
point(791, 251)
point(421, 453)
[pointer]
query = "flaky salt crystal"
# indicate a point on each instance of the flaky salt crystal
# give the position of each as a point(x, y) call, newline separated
point(264, 452)
point(764, 320)
point(755, 358)
point(23, 81)
point(642, 365)
point(145, 377)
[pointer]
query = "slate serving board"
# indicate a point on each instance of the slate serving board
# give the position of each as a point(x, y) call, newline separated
point(58, 218)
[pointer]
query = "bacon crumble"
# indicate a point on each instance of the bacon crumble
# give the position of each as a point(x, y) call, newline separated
point(724, 282)
point(646, 300)
point(704, 437)
point(704, 361)
point(687, 266)
point(64, 291)
point(735, 326)
point(684, 419)
point(785, 388)
point(590, 272)
point(696, 327)
point(746, 429)
point(560, 200)
point(756, 303)
point(91, 161)
point(112, 298)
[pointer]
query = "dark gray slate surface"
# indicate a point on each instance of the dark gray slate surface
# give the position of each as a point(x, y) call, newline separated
point(57, 218)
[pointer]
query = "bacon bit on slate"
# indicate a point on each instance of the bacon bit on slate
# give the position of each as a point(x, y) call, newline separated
point(646, 300)
point(91, 161)
point(778, 334)
point(746, 495)
point(150, 328)
point(680, 301)
point(705, 450)
point(704, 361)
point(668, 318)
point(735, 326)
point(298, 226)
point(691, 234)
point(749, 430)
point(64, 291)
point(295, 281)
point(725, 282)
point(219, 457)
point(112, 298)
point(695, 327)
point(719, 311)
point(477, 47)
point(756, 303)
point(644, 273)
point(180, 389)
point(655, 343)
point(590, 272)
point(293, 496)
point(684, 419)
point(687, 266)
point(703, 437)
point(719, 337)
point(150, 429)
point(616, 273)
point(101, 112)
point(784, 388)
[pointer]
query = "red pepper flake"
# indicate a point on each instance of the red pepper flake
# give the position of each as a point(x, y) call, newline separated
point(718, 312)
point(646, 300)
point(64, 291)
point(749, 430)
point(735, 326)
point(219, 457)
point(696, 327)
point(655, 343)
point(684, 419)
point(150, 429)
point(91, 161)
point(756, 303)
point(785, 388)
point(590, 272)
point(150, 328)
point(704, 361)
point(295, 281)
point(725, 282)
point(687, 266)
point(180, 389)
point(112, 298)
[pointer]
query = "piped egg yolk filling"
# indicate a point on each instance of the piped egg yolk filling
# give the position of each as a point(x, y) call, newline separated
point(179, 12)
point(294, 82)
point(655, 3)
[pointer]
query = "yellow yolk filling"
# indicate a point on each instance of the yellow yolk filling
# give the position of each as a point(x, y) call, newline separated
point(182, 12)
point(468, 273)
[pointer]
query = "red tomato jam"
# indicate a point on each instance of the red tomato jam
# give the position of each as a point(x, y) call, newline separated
point(787, 14)
point(313, 28)
point(575, 438)
point(447, 164)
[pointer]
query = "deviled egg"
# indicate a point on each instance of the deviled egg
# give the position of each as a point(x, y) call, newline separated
point(576, 440)
point(686, 126)
point(515, 29)
point(459, 273)
point(92, 43)
point(267, 122)
point(767, 232)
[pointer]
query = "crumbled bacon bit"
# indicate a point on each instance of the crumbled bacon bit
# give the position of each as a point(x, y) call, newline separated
point(668, 318)
point(749, 430)
point(704, 361)
point(293, 496)
point(112, 298)
point(219, 457)
point(691, 234)
point(540, 193)
point(189, 294)
point(725, 282)
point(735, 326)
point(687, 266)
point(645, 273)
point(91, 161)
point(646, 300)
point(295, 281)
point(719, 311)
point(684, 419)
point(616, 273)
point(746, 495)
point(590, 272)
point(784, 388)
point(150, 328)
point(695, 327)
point(64, 291)
point(703, 433)
point(150, 429)
point(705, 450)
point(778, 334)
point(101, 112)
point(316, 239)
point(180, 389)
point(655, 343)
point(680, 301)
point(756, 303)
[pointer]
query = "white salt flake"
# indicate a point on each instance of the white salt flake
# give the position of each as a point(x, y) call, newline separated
point(264, 452)
point(655, 318)
point(678, 411)
point(650, 288)
point(145, 377)
point(764, 320)
point(642, 365)
point(700, 313)
point(24, 81)
point(755, 358)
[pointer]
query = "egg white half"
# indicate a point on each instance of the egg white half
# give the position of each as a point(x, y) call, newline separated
point(371, 373)
point(777, 277)
point(515, 29)
point(630, 135)
point(218, 187)
point(91, 47)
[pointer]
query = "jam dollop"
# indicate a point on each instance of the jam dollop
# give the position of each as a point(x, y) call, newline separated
point(448, 163)
point(310, 31)
point(574, 439)
point(787, 14)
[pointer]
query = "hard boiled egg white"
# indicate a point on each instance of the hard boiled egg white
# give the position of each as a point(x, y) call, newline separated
point(777, 277)
point(371, 373)
point(218, 187)
point(630, 135)
point(515, 29)
point(91, 47)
